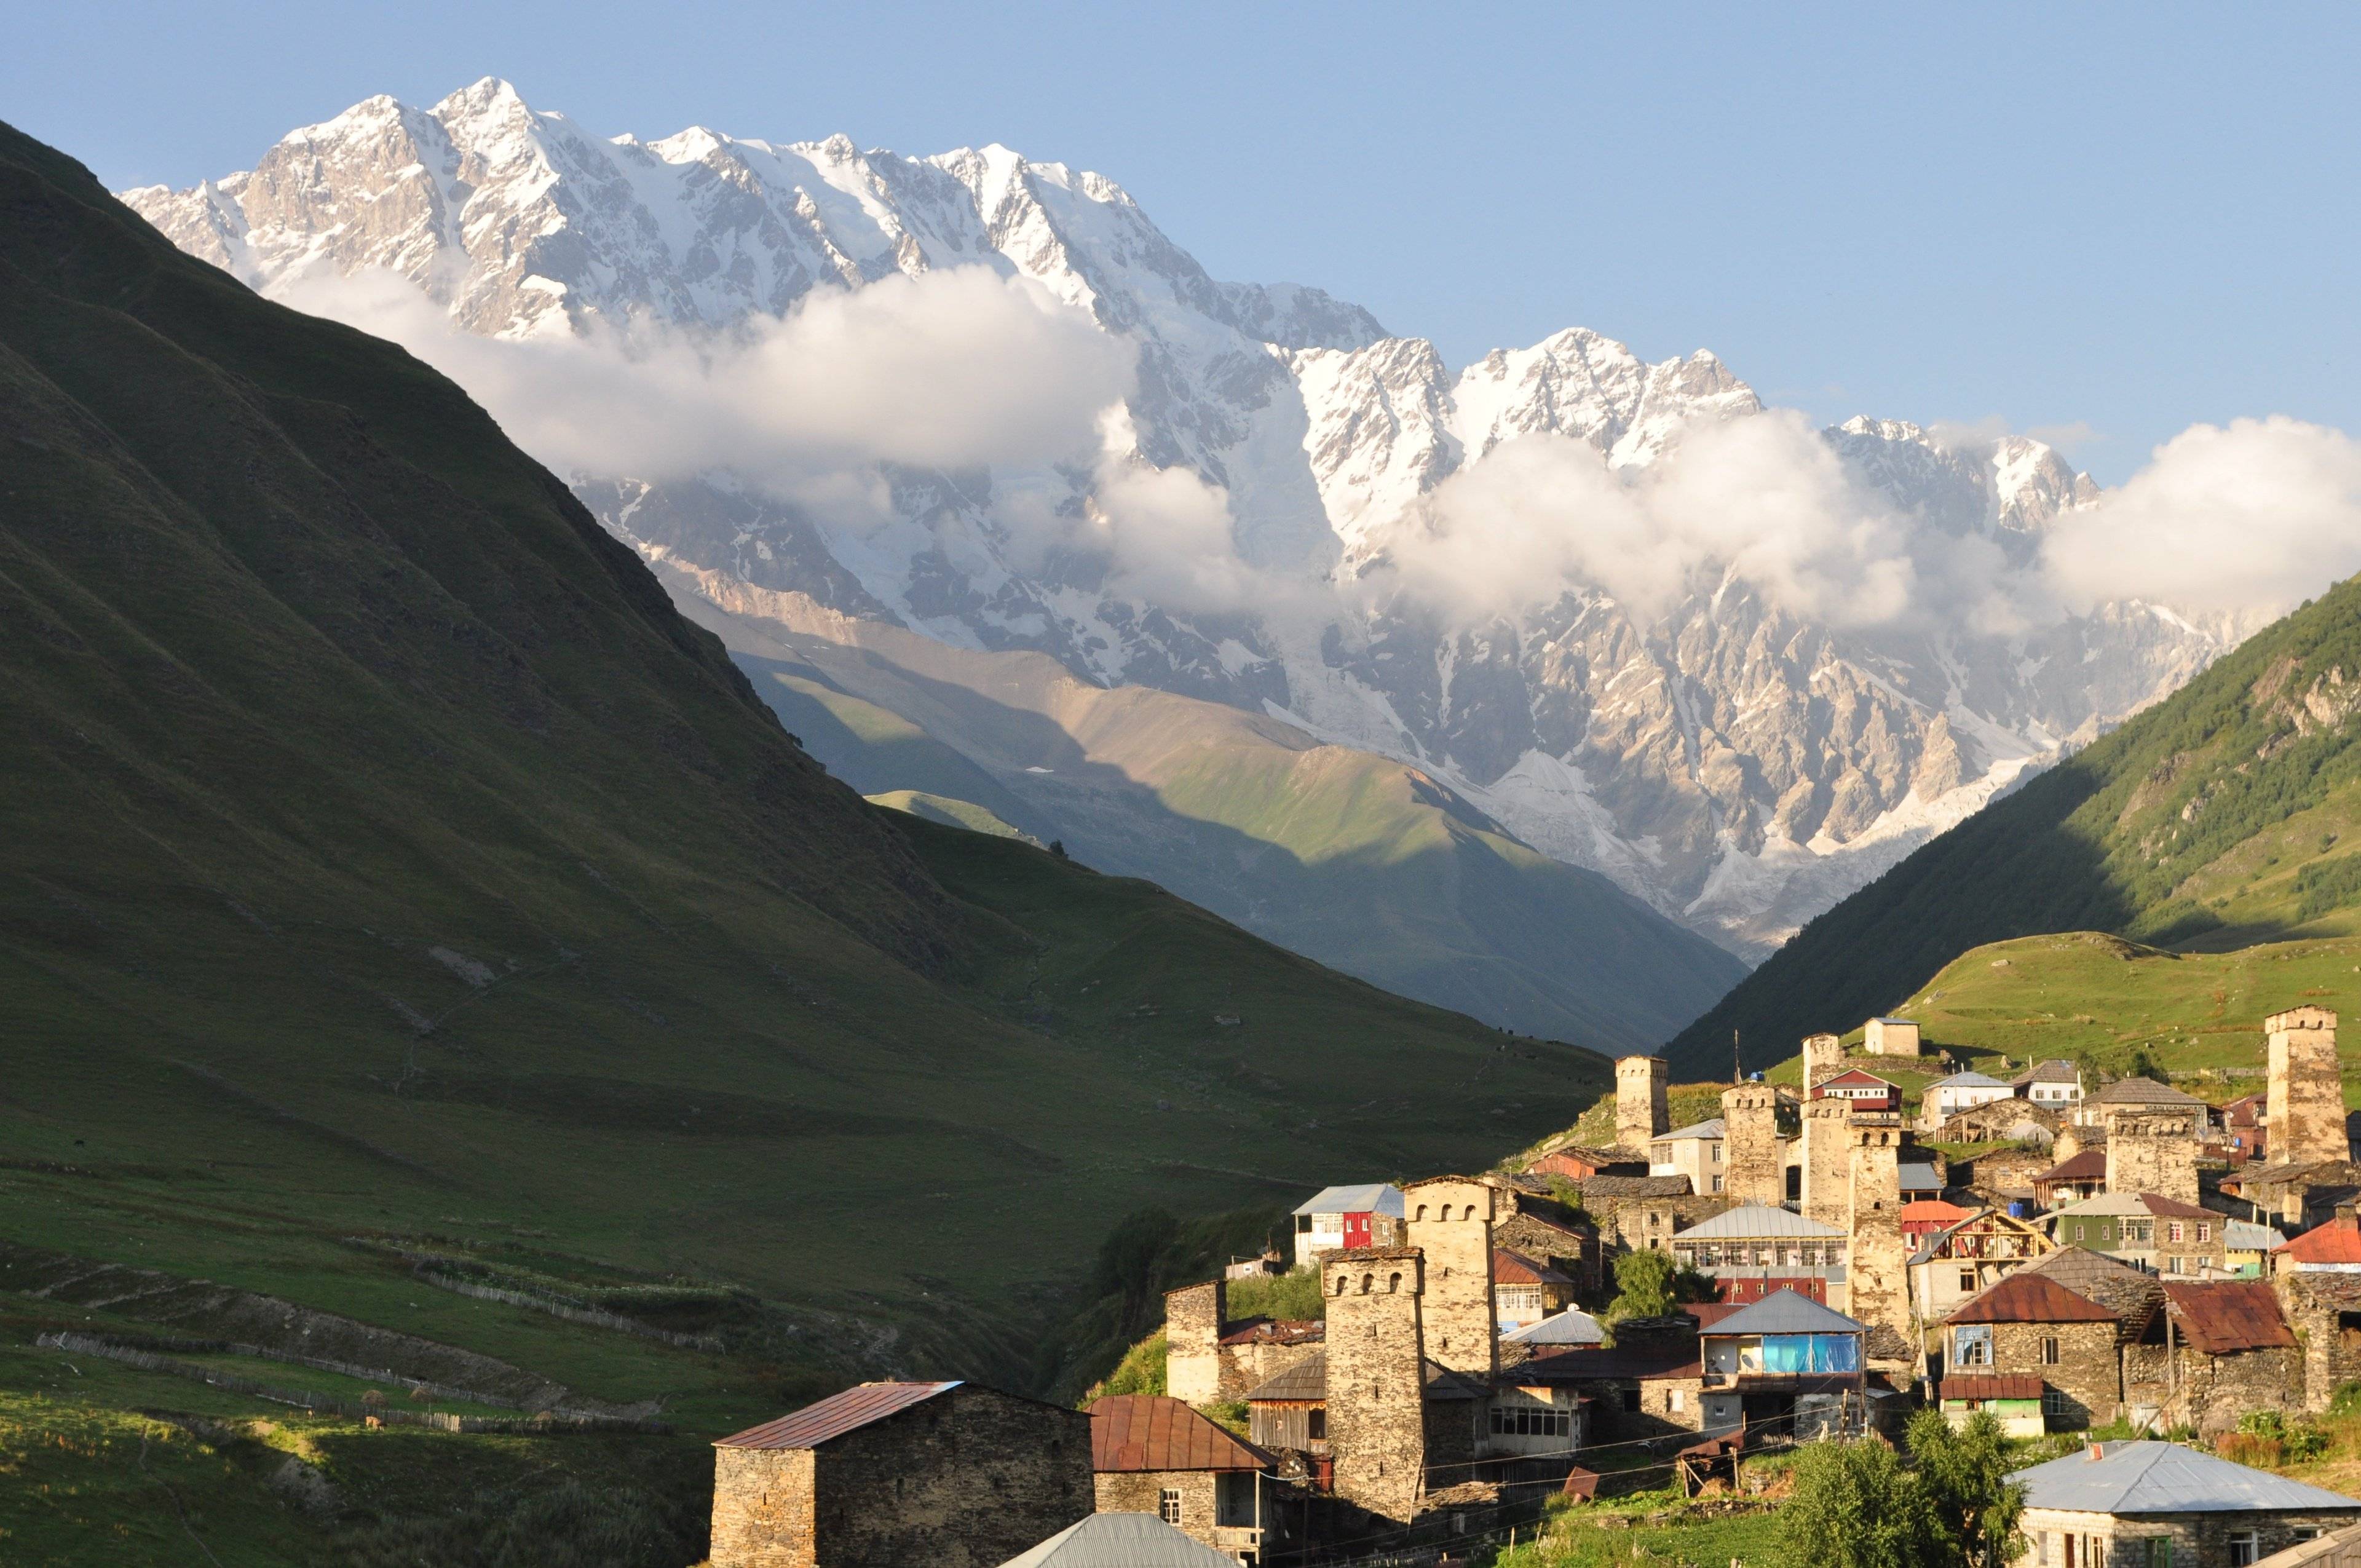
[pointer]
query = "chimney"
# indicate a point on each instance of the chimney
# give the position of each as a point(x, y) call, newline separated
point(2097, 1451)
point(2346, 1213)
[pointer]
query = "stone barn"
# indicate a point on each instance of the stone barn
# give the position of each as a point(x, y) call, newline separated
point(2228, 1350)
point(2030, 1326)
point(887, 1474)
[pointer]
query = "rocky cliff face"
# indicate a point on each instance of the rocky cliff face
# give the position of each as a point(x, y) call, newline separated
point(1738, 762)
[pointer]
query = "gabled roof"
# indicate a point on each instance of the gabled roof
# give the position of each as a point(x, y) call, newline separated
point(1712, 1129)
point(1442, 1383)
point(2339, 1241)
point(1120, 1541)
point(2167, 1478)
point(1918, 1176)
point(1635, 1187)
point(2107, 1205)
point(1932, 1211)
point(1515, 1269)
point(2086, 1165)
point(2132, 1294)
point(2050, 1071)
point(1367, 1198)
point(1749, 1220)
point(2027, 1298)
point(1787, 1312)
point(2143, 1091)
point(1276, 1331)
point(2246, 1235)
point(2227, 1316)
point(855, 1407)
point(1306, 1380)
point(1149, 1432)
point(1987, 1386)
point(1853, 1076)
point(1645, 1362)
point(1567, 1328)
point(1966, 1080)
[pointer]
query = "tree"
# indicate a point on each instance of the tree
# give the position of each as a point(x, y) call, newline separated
point(1643, 1286)
point(1855, 1507)
point(1964, 1473)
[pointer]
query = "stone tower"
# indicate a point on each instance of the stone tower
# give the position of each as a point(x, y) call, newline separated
point(1376, 1377)
point(1755, 1162)
point(1823, 1060)
point(1640, 1114)
point(2305, 1109)
point(1449, 1220)
point(1192, 1342)
point(2153, 1149)
point(1877, 1269)
point(1827, 1161)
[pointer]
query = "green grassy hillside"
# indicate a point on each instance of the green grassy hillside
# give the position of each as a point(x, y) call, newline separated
point(949, 813)
point(2223, 817)
point(1361, 861)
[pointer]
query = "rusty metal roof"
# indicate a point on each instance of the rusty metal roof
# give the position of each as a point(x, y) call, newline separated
point(857, 1407)
point(1149, 1432)
point(2088, 1164)
point(1956, 1387)
point(2226, 1316)
point(2132, 1294)
point(2027, 1297)
point(2339, 1241)
point(1516, 1269)
point(1277, 1331)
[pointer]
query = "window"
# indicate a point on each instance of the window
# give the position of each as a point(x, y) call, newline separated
point(1315, 1425)
point(1631, 1400)
point(2246, 1548)
point(1531, 1420)
point(1968, 1280)
point(1716, 1152)
point(2049, 1353)
point(2205, 1231)
point(1972, 1345)
point(2172, 1264)
point(1673, 1400)
point(2054, 1406)
point(2082, 1232)
point(2157, 1553)
point(1717, 1183)
point(2173, 1231)
point(1168, 1504)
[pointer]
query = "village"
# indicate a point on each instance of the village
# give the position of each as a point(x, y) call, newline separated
point(2123, 1256)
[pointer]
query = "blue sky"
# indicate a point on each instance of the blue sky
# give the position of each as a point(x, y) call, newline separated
point(2106, 221)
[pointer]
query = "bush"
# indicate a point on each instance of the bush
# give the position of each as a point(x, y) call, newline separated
point(1643, 1286)
point(1294, 1296)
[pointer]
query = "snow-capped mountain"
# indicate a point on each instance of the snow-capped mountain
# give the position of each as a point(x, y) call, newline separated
point(1737, 759)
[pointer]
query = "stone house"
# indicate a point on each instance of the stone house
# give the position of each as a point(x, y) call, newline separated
point(2163, 1236)
point(1647, 1385)
point(2140, 1095)
point(1525, 1291)
point(1207, 1356)
point(1699, 1152)
point(2337, 1549)
point(2028, 1325)
point(1150, 1454)
point(884, 1475)
point(1541, 1231)
point(2161, 1505)
point(2227, 1350)
point(1754, 1250)
point(1576, 1163)
point(2001, 1121)
point(1368, 1214)
point(2053, 1085)
point(1947, 1097)
point(2299, 1194)
point(1889, 1037)
point(2001, 1177)
point(1971, 1253)
point(1636, 1214)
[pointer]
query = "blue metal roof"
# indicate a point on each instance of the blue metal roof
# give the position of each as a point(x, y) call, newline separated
point(1367, 1198)
point(2164, 1479)
point(1787, 1312)
point(1120, 1541)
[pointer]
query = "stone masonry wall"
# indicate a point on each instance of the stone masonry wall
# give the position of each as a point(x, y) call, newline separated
point(763, 1508)
point(1192, 1342)
point(1823, 1060)
point(2305, 1103)
point(1877, 1263)
point(1449, 1220)
point(2212, 1391)
point(1377, 1392)
point(2320, 1306)
point(2087, 1371)
point(1142, 1492)
point(2199, 1541)
point(1828, 1162)
point(2153, 1151)
point(1641, 1113)
point(1757, 1160)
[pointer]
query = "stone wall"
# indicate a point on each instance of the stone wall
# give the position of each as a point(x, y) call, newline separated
point(1828, 1162)
point(1823, 1060)
point(1377, 1392)
point(1755, 1159)
point(1449, 1220)
point(2211, 1392)
point(2088, 1370)
point(2199, 1541)
point(1192, 1342)
point(1247, 1366)
point(1640, 1108)
point(1889, 1038)
point(1142, 1492)
point(1877, 1288)
point(1637, 1224)
point(967, 1479)
point(2304, 1108)
point(2325, 1310)
point(2153, 1151)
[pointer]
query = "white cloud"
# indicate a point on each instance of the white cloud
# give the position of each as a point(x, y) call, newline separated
point(2250, 517)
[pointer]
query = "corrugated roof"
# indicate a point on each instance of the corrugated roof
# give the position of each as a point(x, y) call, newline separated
point(1120, 1541)
point(1918, 1177)
point(2245, 1235)
point(1712, 1129)
point(2086, 1165)
point(1367, 1197)
point(1559, 1327)
point(2167, 1478)
point(1853, 1075)
point(2224, 1317)
point(1306, 1380)
point(1515, 1269)
point(2339, 1241)
point(1970, 1080)
point(855, 1407)
point(1749, 1220)
point(1149, 1432)
point(2027, 1298)
point(1932, 1211)
point(1958, 1387)
point(1788, 1312)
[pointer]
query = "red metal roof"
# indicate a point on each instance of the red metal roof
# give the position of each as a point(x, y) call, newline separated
point(2024, 1297)
point(1854, 1077)
point(856, 1407)
point(1280, 1331)
point(2339, 1241)
point(1989, 1388)
point(1148, 1431)
point(2174, 1208)
point(1932, 1211)
point(2229, 1315)
point(1516, 1269)
point(2089, 1164)
point(1709, 1313)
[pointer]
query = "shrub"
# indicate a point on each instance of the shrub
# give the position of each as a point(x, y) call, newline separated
point(1293, 1295)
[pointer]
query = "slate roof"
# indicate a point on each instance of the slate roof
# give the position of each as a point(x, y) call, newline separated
point(2167, 1478)
point(2143, 1091)
point(1515, 1269)
point(1277, 1331)
point(1985, 1386)
point(1367, 1198)
point(1635, 1187)
point(1306, 1380)
point(1787, 1312)
point(2224, 1317)
point(1149, 1432)
point(1442, 1383)
point(2310, 1173)
point(855, 1407)
point(1749, 1221)
point(2133, 1294)
point(1120, 1541)
point(2027, 1298)
point(1644, 1363)
point(1567, 1328)
point(2050, 1071)
point(2339, 1241)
